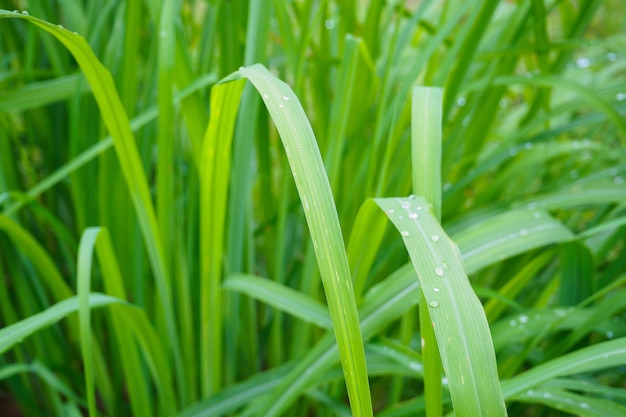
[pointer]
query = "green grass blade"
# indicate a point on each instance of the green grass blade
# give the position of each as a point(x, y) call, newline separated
point(16, 332)
point(506, 235)
point(214, 180)
point(319, 208)
point(116, 121)
point(593, 358)
point(282, 297)
point(426, 105)
point(574, 404)
point(459, 320)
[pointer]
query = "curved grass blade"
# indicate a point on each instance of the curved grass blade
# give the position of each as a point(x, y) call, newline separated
point(593, 358)
point(16, 332)
point(116, 121)
point(282, 297)
point(508, 234)
point(313, 187)
point(459, 321)
point(571, 403)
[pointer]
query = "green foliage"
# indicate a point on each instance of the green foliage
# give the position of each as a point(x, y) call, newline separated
point(197, 227)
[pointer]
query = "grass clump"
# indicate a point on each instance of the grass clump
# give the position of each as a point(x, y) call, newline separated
point(209, 186)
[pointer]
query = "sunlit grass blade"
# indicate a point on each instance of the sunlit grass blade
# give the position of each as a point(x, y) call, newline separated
point(319, 208)
point(458, 318)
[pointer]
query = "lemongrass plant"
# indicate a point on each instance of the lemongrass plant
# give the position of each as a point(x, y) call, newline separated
point(312, 208)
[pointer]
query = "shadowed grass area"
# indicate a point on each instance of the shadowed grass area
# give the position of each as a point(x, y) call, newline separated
point(202, 183)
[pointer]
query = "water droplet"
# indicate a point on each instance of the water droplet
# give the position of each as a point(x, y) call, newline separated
point(513, 323)
point(280, 106)
point(523, 232)
point(404, 233)
point(413, 215)
point(16, 11)
point(329, 24)
point(583, 62)
point(435, 289)
point(266, 96)
point(242, 68)
point(573, 174)
point(461, 101)
point(25, 12)
point(434, 238)
point(546, 395)
point(466, 121)
point(447, 186)
point(60, 26)
point(620, 96)
point(390, 211)
point(513, 152)
point(439, 271)
point(584, 405)
point(405, 205)
point(433, 303)
point(576, 144)
point(444, 380)
point(528, 145)
point(537, 215)
point(286, 98)
point(400, 217)
point(611, 56)
point(609, 335)
point(618, 180)
point(523, 319)
point(418, 207)
point(530, 392)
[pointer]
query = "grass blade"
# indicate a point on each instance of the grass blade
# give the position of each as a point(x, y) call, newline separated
point(117, 123)
point(321, 215)
point(459, 321)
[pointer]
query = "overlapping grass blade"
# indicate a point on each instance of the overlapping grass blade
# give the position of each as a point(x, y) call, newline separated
point(459, 321)
point(426, 104)
point(317, 201)
point(15, 333)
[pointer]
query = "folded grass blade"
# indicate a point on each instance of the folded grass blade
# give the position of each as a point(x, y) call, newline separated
point(458, 318)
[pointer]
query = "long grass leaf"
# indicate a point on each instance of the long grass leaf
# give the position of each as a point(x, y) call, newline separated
point(319, 208)
point(459, 320)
